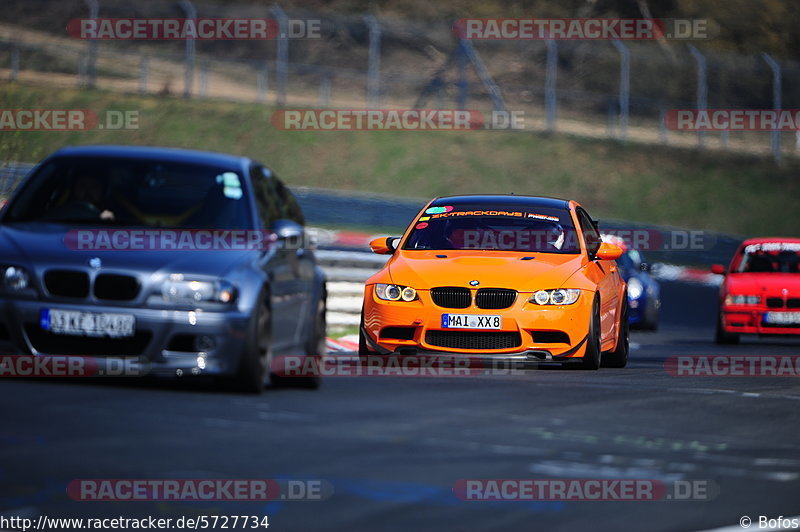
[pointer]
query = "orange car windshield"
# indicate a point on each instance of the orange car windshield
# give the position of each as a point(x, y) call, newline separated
point(494, 228)
point(770, 257)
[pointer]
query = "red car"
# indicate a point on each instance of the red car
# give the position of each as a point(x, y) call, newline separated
point(761, 291)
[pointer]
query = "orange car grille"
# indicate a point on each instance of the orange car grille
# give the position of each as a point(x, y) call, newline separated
point(451, 297)
point(495, 298)
point(485, 298)
point(473, 339)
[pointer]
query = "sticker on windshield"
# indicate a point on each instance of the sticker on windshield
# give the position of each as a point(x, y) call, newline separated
point(232, 187)
point(543, 217)
point(232, 192)
point(424, 219)
point(229, 179)
point(767, 247)
point(457, 214)
point(439, 210)
point(422, 225)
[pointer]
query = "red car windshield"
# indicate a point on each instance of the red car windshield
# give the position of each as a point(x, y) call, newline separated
point(769, 257)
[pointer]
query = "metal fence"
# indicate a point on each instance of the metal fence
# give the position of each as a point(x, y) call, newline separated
point(609, 89)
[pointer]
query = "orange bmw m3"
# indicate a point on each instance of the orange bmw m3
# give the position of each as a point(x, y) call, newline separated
point(512, 278)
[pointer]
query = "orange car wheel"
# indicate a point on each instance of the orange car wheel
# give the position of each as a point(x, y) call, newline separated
point(591, 359)
point(618, 358)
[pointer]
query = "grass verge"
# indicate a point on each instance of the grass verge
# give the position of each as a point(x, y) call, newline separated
point(726, 192)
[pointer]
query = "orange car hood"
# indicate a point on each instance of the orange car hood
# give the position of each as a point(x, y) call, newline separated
point(497, 269)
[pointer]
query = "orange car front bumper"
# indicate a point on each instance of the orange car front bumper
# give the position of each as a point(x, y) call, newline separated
point(543, 332)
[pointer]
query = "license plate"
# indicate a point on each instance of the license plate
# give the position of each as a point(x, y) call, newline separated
point(782, 318)
point(97, 324)
point(471, 321)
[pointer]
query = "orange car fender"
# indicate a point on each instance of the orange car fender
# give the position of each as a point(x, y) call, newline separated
point(594, 278)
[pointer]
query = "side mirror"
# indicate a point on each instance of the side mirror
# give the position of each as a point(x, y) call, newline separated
point(608, 252)
point(719, 269)
point(289, 232)
point(383, 245)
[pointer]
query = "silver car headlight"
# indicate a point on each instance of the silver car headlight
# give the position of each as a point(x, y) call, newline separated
point(562, 296)
point(177, 289)
point(15, 279)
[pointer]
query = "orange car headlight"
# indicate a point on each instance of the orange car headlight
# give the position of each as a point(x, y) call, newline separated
point(563, 296)
point(394, 292)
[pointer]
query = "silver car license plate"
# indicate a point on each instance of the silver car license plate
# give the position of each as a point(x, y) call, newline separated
point(79, 323)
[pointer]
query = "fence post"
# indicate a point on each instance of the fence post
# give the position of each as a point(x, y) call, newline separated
point(188, 79)
point(144, 73)
point(204, 79)
point(282, 62)
point(82, 71)
point(662, 126)
point(374, 62)
point(91, 71)
point(462, 76)
point(324, 90)
point(15, 62)
point(550, 84)
point(262, 84)
point(624, 87)
point(776, 103)
point(702, 88)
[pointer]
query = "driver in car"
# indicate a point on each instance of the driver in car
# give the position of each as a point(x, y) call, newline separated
point(89, 189)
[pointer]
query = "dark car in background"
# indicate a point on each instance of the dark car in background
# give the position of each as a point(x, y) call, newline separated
point(644, 292)
point(184, 262)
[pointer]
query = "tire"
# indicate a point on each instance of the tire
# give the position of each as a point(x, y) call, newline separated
point(618, 358)
point(591, 360)
point(651, 319)
point(722, 337)
point(254, 368)
point(315, 348)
